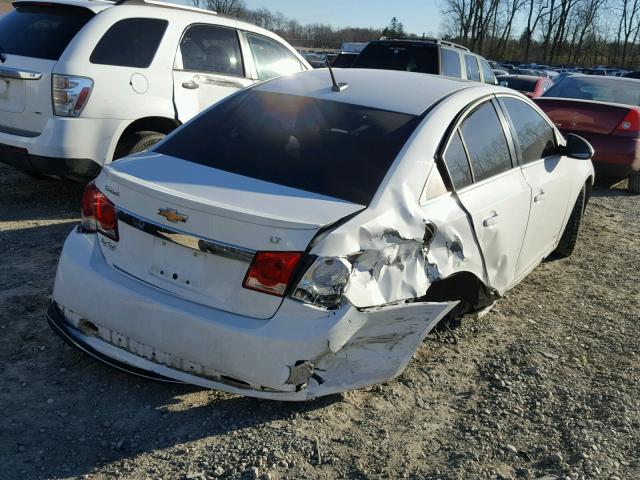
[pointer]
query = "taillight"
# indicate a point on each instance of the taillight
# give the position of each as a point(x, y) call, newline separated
point(270, 272)
point(98, 213)
point(70, 94)
point(630, 123)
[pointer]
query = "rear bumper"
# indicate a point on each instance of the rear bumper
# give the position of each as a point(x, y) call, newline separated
point(65, 147)
point(614, 156)
point(301, 353)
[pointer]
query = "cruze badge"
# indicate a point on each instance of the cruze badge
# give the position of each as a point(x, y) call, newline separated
point(172, 215)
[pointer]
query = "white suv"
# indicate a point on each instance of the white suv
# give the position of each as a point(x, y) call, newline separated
point(84, 82)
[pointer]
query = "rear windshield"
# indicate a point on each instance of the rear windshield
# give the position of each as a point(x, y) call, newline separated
point(329, 148)
point(522, 84)
point(410, 58)
point(41, 31)
point(601, 89)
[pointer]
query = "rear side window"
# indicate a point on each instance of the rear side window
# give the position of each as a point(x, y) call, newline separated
point(487, 73)
point(534, 134)
point(456, 160)
point(486, 143)
point(209, 48)
point(451, 63)
point(41, 31)
point(132, 42)
point(409, 58)
point(329, 148)
point(271, 58)
point(473, 73)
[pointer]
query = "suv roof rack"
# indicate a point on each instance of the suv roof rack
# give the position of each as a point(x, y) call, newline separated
point(156, 3)
point(431, 40)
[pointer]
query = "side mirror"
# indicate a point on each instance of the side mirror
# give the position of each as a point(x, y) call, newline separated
point(578, 147)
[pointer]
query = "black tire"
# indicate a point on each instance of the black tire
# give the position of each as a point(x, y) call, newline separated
point(137, 142)
point(570, 234)
point(634, 183)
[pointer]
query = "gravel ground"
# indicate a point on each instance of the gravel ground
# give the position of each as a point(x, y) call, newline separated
point(547, 385)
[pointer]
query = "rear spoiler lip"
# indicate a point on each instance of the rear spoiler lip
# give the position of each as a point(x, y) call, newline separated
point(57, 4)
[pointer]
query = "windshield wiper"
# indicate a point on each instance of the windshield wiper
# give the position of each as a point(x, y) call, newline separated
point(3, 57)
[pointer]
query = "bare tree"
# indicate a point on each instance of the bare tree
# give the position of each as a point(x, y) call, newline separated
point(233, 8)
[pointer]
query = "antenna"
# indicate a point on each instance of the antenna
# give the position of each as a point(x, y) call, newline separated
point(337, 87)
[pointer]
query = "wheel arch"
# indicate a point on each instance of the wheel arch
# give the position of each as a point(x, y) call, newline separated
point(158, 124)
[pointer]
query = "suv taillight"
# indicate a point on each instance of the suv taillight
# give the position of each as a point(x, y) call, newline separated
point(70, 94)
point(630, 123)
point(98, 213)
point(270, 272)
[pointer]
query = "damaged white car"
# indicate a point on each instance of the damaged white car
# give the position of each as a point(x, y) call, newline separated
point(301, 238)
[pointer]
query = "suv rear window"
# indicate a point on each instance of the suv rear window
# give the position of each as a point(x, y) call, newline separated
point(522, 84)
point(329, 148)
point(131, 42)
point(403, 57)
point(41, 31)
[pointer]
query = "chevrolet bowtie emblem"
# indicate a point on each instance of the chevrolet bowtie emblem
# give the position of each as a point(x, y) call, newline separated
point(172, 215)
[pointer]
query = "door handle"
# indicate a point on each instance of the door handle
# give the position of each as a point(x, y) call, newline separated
point(190, 85)
point(490, 221)
point(539, 196)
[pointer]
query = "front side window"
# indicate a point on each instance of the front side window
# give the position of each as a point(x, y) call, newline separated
point(451, 63)
point(473, 72)
point(456, 160)
point(486, 142)
point(41, 31)
point(211, 49)
point(131, 42)
point(487, 73)
point(271, 58)
point(534, 134)
point(330, 148)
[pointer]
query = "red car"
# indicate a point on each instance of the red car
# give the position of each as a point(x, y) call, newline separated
point(606, 112)
point(529, 85)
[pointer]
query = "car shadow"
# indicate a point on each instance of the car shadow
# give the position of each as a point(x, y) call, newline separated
point(27, 198)
point(610, 187)
point(71, 415)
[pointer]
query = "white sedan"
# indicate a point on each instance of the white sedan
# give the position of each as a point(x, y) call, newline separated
point(300, 239)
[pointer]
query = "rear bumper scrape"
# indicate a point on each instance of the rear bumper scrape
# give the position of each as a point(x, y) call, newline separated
point(56, 321)
point(124, 361)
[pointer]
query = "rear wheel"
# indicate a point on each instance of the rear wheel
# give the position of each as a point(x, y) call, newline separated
point(570, 234)
point(137, 142)
point(634, 183)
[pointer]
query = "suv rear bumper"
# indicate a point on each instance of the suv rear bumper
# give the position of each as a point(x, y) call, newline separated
point(67, 147)
point(59, 167)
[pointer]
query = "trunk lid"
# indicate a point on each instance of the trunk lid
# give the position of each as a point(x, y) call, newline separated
point(220, 220)
point(32, 38)
point(583, 115)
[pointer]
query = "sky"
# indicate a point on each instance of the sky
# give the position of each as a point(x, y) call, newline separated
point(418, 16)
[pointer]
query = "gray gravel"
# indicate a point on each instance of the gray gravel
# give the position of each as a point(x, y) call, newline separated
point(545, 386)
